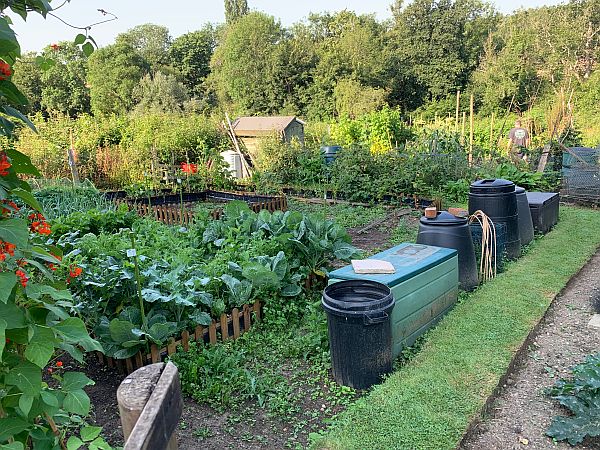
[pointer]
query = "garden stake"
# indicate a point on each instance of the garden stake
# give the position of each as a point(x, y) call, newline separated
point(137, 280)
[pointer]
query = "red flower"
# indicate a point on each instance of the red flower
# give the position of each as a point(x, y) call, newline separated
point(6, 248)
point(22, 277)
point(5, 70)
point(59, 364)
point(49, 369)
point(39, 224)
point(189, 168)
point(52, 267)
point(4, 164)
point(74, 272)
point(11, 207)
point(55, 47)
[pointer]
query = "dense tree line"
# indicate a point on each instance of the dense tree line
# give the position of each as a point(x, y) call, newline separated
point(331, 64)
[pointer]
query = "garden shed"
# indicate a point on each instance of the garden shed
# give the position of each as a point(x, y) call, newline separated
point(251, 129)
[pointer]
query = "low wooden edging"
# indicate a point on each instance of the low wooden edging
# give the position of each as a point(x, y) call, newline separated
point(173, 214)
point(230, 326)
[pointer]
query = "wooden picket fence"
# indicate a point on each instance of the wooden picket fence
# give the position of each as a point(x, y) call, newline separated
point(229, 326)
point(173, 214)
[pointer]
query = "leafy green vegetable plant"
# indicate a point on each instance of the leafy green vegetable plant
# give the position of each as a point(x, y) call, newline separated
point(581, 396)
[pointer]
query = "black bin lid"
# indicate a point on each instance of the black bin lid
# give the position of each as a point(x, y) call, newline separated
point(520, 190)
point(444, 218)
point(356, 298)
point(541, 198)
point(492, 186)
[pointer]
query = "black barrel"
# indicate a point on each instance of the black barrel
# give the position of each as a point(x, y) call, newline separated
point(500, 250)
point(449, 231)
point(360, 334)
point(497, 198)
point(525, 220)
point(330, 152)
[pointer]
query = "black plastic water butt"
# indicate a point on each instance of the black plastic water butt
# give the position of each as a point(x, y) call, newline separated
point(525, 221)
point(330, 152)
point(360, 335)
point(497, 198)
point(449, 231)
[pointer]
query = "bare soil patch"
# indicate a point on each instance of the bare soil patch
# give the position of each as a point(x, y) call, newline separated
point(522, 412)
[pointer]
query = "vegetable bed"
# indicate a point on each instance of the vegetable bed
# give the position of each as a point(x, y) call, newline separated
point(142, 282)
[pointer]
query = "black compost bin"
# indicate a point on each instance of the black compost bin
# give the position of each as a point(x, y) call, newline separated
point(544, 209)
point(500, 251)
point(360, 335)
point(449, 231)
point(525, 221)
point(497, 198)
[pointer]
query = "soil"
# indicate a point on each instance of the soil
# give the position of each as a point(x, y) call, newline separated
point(248, 427)
point(521, 413)
point(378, 238)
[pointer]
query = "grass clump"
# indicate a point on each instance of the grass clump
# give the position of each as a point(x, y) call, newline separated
point(429, 403)
point(346, 215)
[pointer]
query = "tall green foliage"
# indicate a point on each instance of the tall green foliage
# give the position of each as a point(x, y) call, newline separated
point(113, 73)
point(234, 9)
point(244, 64)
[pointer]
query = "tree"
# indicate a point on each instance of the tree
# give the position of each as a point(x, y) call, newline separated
point(63, 84)
point(348, 47)
point(160, 93)
point(28, 79)
point(438, 43)
point(151, 41)
point(234, 9)
point(352, 99)
point(190, 53)
point(244, 65)
point(113, 73)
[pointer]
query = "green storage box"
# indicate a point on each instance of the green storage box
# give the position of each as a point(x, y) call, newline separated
point(425, 287)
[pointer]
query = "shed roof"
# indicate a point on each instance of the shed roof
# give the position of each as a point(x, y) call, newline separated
point(251, 126)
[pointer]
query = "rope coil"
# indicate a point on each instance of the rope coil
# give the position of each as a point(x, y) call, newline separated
point(487, 265)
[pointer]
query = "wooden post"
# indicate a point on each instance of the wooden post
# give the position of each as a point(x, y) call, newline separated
point(457, 111)
point(150, 406)
point(471, 131)
point(71, 157)
point(464, 121)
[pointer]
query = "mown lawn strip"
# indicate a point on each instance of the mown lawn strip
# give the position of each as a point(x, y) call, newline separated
point(429, 403)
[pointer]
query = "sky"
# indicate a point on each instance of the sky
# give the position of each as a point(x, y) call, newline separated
point(182, 16)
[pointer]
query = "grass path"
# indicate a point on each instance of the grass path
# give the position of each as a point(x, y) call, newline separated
point(429, 403)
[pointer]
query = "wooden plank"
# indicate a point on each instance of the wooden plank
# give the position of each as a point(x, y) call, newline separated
point(212, 332)
point(129, 365)
point(100, 357)
point(139, 360)
point(111, 363)
point(224, 328)
point(199, 334)
point(235, 318)
point(155, 353)
point(185, 340)
point(247, 324)
point(156, 425)
point(256, 309)
point(171, 346)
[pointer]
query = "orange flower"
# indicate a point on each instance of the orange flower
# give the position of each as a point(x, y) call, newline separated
point(74, 272)
point(4, 163)
point(55, 47)
point(5, 70)
point(59, 364)
point(6, 248)
point(39, 224)
point(9, 208)
point(22, 277)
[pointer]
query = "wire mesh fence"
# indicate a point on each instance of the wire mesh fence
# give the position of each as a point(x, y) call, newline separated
point(581, 175)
